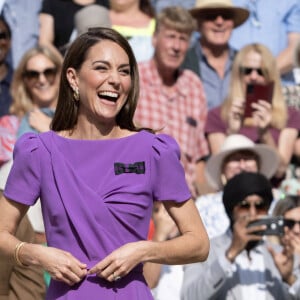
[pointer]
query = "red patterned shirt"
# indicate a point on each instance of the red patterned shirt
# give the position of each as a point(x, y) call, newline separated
point(180, 113)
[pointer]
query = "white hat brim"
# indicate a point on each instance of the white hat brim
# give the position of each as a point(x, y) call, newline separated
point(269, 162)
point(240, 15)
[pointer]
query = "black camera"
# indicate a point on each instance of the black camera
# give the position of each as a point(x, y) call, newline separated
point(274, 225)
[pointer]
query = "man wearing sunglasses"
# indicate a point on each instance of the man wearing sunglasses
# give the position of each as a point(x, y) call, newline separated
point(211, 56)
point(278, 28)
point(240, 264)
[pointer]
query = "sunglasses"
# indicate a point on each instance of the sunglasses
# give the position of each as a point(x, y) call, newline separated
point(33, 75)
point(4, 35)
point(258, 205)
point(248, 71)
point(290, 223)
point(211, 16)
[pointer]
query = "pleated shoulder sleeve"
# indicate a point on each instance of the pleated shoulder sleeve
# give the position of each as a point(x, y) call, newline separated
point(167, 176)
point(23, 183)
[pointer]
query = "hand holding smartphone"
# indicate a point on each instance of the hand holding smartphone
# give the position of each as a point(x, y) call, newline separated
point(255, 92)
point(274, 225)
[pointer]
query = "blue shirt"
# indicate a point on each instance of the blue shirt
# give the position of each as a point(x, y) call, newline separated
point(23, 19)
point(215, 87)
point(269, 23)
point(25, 126)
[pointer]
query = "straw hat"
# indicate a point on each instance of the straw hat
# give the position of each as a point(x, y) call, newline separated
point(202, 7)
point(269, 159)
point(93, 15)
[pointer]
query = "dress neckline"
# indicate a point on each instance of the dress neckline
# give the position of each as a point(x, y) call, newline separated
point(55, 134)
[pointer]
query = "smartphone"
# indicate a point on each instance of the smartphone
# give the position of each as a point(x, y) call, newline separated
point(255, 92)
point(274, 225)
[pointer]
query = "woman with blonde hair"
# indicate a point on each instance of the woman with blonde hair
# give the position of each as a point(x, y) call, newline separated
point(35, 89)
point(270, 122)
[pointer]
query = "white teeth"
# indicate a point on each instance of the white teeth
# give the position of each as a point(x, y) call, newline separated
point(109, 94)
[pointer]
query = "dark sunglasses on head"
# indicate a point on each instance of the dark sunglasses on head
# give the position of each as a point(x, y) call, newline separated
point(211, 16)
point(258, 205)
point(290, 223)
point(248, 71)
point(4, 35)
point(33, 75)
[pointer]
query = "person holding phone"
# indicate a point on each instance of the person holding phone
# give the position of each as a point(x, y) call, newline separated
point(271, 122)
point(240, 264)
point(289, 208)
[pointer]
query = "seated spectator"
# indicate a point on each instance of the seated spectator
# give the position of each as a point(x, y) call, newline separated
point(135, 21)
point(171, 99)
point(57, 21)
point(261, 26)
point(22, 17)
point(35, 89)
point(240, 264)
point(211, 56)
point(238, 154)
point(289, 208)
point(6, 71)
point(273, 124)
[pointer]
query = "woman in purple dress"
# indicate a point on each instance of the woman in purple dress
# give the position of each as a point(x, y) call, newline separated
point(97, 175)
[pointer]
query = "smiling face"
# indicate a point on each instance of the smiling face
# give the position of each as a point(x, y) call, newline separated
point(41, 80)
point(216, 28)
point(103, 82)
point(170, 47)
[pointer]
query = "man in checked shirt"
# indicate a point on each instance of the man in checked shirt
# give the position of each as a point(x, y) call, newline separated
point(171, 99)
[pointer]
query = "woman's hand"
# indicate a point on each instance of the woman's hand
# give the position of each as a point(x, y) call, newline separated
point(62, 265)
point(262, 115)
point(284, 260)
point(120, 262)
point(39, 121)
point(235, 117)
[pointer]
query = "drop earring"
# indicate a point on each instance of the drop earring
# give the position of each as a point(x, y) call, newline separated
point(76, 94)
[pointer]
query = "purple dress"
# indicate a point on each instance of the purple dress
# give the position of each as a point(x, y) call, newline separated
point(97, 196)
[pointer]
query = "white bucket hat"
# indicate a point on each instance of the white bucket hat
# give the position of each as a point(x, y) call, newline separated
point(269, 159)
point(202, 7)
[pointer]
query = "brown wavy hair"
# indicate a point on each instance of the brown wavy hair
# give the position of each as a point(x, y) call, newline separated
point(66, 113)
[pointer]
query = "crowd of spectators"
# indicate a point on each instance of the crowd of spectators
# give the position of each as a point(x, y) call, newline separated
point(199, 61)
